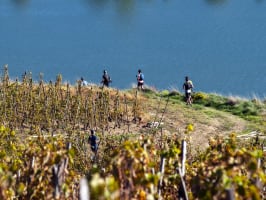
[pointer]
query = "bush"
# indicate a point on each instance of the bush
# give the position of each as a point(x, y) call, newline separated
point(174, 93)
point(199, 96)
point(246, 108)
point(164, 93)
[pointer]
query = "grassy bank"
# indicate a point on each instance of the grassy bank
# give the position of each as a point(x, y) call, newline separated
point(251, 110)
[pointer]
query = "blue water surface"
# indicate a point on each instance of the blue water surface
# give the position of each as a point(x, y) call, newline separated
point(220, 44)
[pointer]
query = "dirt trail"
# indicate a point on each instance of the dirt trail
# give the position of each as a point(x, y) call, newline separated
point(207, 123)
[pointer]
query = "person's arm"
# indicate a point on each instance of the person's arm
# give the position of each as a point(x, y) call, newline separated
point(192, 84)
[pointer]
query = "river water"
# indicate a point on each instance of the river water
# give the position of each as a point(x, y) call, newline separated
point(220, 44)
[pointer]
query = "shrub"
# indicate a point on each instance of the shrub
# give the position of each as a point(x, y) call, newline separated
point(246, 108)
point(164, 93)
point(200, 96)
point(174, 93)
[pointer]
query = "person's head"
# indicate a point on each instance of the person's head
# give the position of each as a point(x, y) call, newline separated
point(186, 78)
point(92, 132)
point(104, 71)
point(139, 71)
point(81, 78)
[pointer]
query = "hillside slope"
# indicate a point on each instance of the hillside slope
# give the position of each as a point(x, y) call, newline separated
point(175, 116)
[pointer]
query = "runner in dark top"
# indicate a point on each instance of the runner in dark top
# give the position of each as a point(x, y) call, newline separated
point(93, 141)
point(106, 79)
point(188, 86)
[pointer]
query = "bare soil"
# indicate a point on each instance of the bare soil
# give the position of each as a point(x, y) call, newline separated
point(174, 118)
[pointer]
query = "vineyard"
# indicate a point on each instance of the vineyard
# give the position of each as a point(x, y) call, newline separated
point(144, 153)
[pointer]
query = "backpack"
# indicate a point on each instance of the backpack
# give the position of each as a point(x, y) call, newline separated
point(189, 85)
point(141, 76)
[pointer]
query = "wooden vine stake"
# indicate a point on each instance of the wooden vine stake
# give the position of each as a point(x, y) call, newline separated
point(58, 177)
point(184, 157)
point(126, 113)
point(181, 170)
point(84, 192)
point(230, 194)
point(161, 177)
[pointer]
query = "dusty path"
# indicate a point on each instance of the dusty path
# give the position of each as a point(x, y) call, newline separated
point(207, 123)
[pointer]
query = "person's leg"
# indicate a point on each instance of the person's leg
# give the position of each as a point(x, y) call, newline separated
point(139, 85)
point(189, 99)
point(92, 148)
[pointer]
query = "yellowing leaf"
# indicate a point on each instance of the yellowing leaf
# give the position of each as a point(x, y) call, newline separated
point(189, 128)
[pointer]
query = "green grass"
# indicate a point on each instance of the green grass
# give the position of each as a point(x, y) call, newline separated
point(216, 106)
point(246, 109)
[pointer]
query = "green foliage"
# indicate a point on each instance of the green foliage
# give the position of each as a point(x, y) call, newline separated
point(25, 167)
point(211, 174)
point(164, 93)
point(225, 166)
point(129, 167)
point(200, 96)
point(172, 96)
point(247, 109)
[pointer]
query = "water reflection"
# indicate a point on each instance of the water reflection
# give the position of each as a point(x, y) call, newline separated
point(259, 1)
point(97, 3)
point(20, 2)
point(125, 6)
point(216, 2)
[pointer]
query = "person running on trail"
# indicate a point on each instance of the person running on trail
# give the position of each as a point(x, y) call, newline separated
point(106, 79)
point(188, 86)
point(140, 79)
point(93, 141)
point(83, 82)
